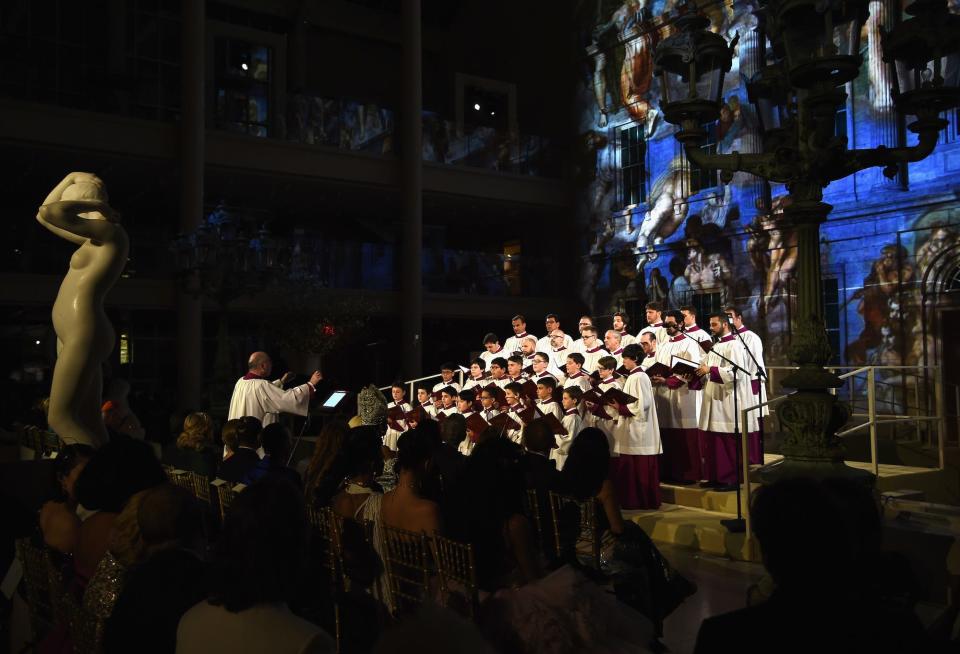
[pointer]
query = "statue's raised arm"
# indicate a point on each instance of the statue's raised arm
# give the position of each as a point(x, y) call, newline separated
point(78, 210)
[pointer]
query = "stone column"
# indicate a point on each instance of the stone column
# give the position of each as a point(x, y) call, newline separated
point(190, 305)
point(411, 191)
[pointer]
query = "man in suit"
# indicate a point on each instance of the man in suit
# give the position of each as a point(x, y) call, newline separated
point(236, 468)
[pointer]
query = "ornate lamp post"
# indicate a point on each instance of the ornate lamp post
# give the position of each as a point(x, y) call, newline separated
point(815, 51)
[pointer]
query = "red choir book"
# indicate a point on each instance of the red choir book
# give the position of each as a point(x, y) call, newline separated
point(599, 411)
point(504, 422)
point(476, 424)
point(529, 389)
point(659, 370)
point(394, 416)
point(706, 346)
point(498, 395)
point(681, 366)
point(528, 413)
point(416, 414)
point(620, 400)
point(593, 396)
point(555, 425)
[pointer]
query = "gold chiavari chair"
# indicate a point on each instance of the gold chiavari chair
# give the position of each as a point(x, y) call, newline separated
point(578, 517)
point(226, 491)
point(406, 558)
point(458, 574)
point(324, 523)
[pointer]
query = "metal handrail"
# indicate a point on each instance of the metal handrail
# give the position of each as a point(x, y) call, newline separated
point(411, 384)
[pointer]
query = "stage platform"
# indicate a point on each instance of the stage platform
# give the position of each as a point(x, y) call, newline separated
point(690, 516)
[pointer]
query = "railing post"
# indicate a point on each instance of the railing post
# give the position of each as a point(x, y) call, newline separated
point(916, 402)
point(745, 489)
point(941, 415)
point(872, 417)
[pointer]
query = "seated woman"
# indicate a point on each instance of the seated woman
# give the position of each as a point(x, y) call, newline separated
point(255, 568)
point(642, 577)
point(324, 472)
point(229, 438)
point(194, 449)
point(403, 507)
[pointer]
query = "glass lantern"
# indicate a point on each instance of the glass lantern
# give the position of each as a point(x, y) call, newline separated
point(691, 65)
point(820, 39)
point(916, 51)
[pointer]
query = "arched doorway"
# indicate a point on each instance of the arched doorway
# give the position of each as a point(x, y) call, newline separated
point(940, 315)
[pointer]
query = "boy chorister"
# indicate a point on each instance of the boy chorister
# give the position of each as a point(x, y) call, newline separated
point(477, 376)
point(446, 377)
point(488, 412)
point(545, 402)
point(513, 409)
point(635, 470)
point(606, 366)
point(571, 421)
point(448, 398)
point(465, 401)
point(392, 435)
point(491, 349)
point(498, 372)
point(515, 369)
point(541, 367)
point(426, 403)
point(576, 378)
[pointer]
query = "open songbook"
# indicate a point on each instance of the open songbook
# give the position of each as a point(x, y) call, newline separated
point(394, 415)
point(555, 425)
point(681, 366)
point(504, 421)
point(476, 424)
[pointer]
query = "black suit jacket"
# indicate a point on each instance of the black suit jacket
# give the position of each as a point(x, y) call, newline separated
point(235, 468)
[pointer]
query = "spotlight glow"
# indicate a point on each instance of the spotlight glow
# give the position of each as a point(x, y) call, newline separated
point(476, 107)
point(244, 66)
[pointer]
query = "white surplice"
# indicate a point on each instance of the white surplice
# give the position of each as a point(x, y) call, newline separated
point(639, 433)
point(264, 400)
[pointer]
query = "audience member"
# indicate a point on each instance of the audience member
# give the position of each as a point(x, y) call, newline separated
point(228, 438)
point(820, 541)
point(448, 462)
point(275, 440)
point(404, 507)
point(324, 472)
point(253, 573)
point(194, 449)
point(169, 580)
point(236, 468)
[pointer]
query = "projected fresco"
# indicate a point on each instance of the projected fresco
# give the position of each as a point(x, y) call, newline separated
point(661, 230)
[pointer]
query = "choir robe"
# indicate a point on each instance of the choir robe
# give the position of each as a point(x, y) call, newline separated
point(515, 434)
point(545, 344)
point(618, 355)
point(678, 410)
point(449, 411)
point(626, 338)
point(581, 380)
point(265, 400)
point(391, 436)
point(578, 346)
point(573, 423)
point(430, 410)
point(543, 375)
point(758, 388)
point(590, 358)
point(558, 361)
point(466, 445)
point(512, 344)
point(502, 382)
point(635, 471)
point(648, 361)
point(657, 330)
point(603, 424)
point(472, 383)
point(488, 357)
point(550, 406)
point(700, 335)
point(718, 440)
point(442, 385)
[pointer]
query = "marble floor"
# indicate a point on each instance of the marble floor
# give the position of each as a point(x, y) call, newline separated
point(721, 586)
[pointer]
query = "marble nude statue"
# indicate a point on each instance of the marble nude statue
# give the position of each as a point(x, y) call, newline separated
point(77, 210)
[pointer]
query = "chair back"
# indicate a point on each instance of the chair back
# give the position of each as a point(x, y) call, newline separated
point(196, 484)
point(575, 528)
point(406, 558)
point(458, 574)
point(226, 491)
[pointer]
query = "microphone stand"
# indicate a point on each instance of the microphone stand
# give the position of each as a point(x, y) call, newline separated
point(733, 525)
